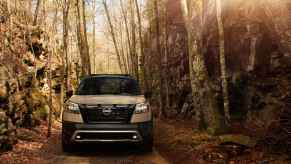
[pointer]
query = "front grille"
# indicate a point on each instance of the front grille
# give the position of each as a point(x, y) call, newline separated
point(107, 113)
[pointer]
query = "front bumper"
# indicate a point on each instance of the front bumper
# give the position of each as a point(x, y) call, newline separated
point(87, 133)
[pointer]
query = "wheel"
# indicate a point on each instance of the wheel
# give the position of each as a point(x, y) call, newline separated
point(147, 145)
point(66, 143)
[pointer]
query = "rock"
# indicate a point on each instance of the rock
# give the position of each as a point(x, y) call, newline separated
point(237, 139)
point(7, 132)
point(263, 118)
point(42, 113)
point(3, 90)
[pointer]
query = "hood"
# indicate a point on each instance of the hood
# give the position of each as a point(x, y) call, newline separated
point(106, 99)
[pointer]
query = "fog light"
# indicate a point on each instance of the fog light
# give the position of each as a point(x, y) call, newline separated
point(134, 137)
point(78, 137)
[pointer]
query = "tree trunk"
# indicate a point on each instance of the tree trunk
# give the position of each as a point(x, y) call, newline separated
point(129, 54)
point(121, 45)
point(94, 37)
point(223, 70)
point(29, 7)
point(166, 59)
point(113, 35)
point(134, 55)
point(159, 53)
point(36, 12)
point(277, 16)
point(253, 50)
point(50, 101)
point(65, 74)
point(205, 104)
point(142, 55)
point(82, 37)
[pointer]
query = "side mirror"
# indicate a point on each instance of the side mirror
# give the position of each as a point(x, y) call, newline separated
point(69, 93)
point(148, 95)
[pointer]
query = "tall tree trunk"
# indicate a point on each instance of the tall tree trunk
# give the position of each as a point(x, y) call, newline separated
point(142, 55)
point(166, 59)
point(205, 104)
point(113, 35)
point(277, 19)
point(159, 53)
point(66, 8)
point(134, 54)
point(223, 70)
point(129, 54)
point(29, 7)
point(44, 12)
point(94, 36)
point(121, 45)
point(65, 74)
point(253, 51)
point(36, 12)
point(82, 37)
point(50, 99)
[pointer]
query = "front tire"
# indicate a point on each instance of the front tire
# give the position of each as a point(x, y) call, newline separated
point(66, 143)
point(147, 145)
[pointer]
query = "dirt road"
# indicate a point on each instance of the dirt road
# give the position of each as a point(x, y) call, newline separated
point(35, 148)
point(109, 158)
point(98, 154)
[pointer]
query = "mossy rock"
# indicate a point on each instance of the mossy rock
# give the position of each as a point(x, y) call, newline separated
point(7, 133)
point(237, 139)
point(42, 112)
point(2, 116)
point(37, 97)
point(3, 91)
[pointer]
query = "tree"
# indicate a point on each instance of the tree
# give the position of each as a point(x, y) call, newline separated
point(122, 47)
point(160, 58)
point(94, 36)
point(65, 71)
point(204, 102)
point(36, 12)
point(134, 55)
point(224, 82)
point(113, 35)
point(142, 55)
point(50, 99)
point(129, 54)
point(82, 37)
point(277, 14)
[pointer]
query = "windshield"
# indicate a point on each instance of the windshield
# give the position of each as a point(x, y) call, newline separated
point(108, 86)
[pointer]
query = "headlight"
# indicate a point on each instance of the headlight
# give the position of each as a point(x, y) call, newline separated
point(141, 108)
point(73, 107)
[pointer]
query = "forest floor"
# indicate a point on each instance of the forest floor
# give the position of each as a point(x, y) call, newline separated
point(175, 141)
point(180, 142)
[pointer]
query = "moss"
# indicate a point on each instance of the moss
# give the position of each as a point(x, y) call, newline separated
point(42, 113)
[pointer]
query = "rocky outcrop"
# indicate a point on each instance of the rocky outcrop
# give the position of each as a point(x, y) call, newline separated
point(7, 132)
point(23, 73)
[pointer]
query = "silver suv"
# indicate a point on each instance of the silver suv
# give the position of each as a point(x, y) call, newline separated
point(107, 108)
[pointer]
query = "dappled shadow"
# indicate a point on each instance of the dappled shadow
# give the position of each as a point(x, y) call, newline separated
point(92, 153)
point(106, 149)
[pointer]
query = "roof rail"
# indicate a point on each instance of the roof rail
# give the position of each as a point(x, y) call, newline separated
point(109, 75)
point(92, 75)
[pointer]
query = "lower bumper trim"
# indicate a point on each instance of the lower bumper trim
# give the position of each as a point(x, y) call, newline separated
point(106, 136)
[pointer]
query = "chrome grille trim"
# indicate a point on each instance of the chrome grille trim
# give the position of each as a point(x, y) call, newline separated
point(139, 137)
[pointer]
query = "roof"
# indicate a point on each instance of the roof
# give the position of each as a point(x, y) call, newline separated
point(108, 75)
